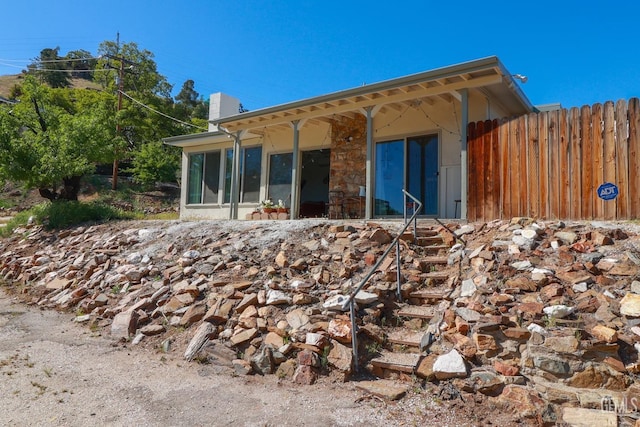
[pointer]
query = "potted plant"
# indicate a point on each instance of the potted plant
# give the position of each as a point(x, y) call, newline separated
point(281, 208)
point(267, 206)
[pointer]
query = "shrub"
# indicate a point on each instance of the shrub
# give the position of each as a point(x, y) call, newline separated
point(58, 215)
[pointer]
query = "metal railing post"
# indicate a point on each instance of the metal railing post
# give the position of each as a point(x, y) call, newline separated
point(354, 335)
point(398, 275)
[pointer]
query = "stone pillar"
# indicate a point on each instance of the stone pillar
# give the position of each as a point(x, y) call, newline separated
point(349, 160)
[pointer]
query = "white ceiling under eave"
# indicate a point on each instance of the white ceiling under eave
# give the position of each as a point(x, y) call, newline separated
point(438, 85)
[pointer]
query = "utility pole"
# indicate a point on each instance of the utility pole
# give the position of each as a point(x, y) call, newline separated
point(114, 180)
point(122, 60)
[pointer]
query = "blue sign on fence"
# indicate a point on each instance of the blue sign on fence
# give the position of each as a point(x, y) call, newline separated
point(608, 191)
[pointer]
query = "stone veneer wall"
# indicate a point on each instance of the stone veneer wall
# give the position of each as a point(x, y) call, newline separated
point(348, 154)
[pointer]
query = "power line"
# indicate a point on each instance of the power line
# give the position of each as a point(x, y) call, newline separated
point(57, 70)
point(161, 113)
point(50, 60)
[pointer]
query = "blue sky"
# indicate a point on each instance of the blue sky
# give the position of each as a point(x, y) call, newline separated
point(270, 52)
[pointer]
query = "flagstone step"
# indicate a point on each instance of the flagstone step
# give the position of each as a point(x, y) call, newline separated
point(403, 362)
point(385, 389)
point(405, 337)
point(425, 232)
point(430, 294)
point(429, 240)
point(437, 276)
point(421, 312)
point(436, 259)
point(434, 249)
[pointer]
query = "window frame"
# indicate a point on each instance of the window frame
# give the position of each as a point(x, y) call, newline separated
point(203, 177)
point(228, 169)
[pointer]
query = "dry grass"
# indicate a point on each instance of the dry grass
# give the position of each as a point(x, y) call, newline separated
point(9, 81)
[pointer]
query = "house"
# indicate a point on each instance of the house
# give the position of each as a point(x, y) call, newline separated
point(348, 153)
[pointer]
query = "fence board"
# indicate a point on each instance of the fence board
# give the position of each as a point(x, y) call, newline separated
point(622, 160)
point(523, 205)
point(543, 135)
point(516, 172)
point(597, 139)
point(514, 175)
point(575, 151)
point(487, 187)
point(533, 161)
point(588, 191)
point(495, 167)
point(505, 176)
point(634, 157)
point(565, 156)
point(554, 170)
point(609, 164)
point(482, 163)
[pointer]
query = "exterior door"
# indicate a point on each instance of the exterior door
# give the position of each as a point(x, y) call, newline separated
point(410, 163)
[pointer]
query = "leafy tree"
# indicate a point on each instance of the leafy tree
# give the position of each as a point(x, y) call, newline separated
point(188, 94)
point(142, 76)
point(81, 63)
point(52, 137)
point(189, 104)
point(47, 67)
point(201, 111)
point(155, 162)
point(143, 120)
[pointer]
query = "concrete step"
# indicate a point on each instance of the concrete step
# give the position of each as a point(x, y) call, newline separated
point(403, 362)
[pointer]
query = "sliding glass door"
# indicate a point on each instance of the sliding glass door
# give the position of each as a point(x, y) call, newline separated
point(280, 178)
point(410, 163)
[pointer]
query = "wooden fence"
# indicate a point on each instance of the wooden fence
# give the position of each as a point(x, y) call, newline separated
point(549, 165)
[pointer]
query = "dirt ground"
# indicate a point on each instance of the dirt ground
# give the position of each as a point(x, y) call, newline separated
point(54, 372)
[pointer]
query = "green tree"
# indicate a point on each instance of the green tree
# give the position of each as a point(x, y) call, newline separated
point(155, 162)
point(81, 63)
point(52, 137)
point(188, 95)
point(48, 68)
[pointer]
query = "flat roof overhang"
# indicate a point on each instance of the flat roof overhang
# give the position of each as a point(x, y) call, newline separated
point(487, 74)
point(195, 139)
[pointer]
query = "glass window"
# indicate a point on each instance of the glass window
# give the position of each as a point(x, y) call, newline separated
point(389, 178)
point(410, 163)
point(204, 178)
point(196, 165)
point(211, 177)
point(250, 174)
point(280, 177)
point(250, 168)
point(228, 168)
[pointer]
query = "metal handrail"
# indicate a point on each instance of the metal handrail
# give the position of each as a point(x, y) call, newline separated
point(415, 235)
point(350, 302)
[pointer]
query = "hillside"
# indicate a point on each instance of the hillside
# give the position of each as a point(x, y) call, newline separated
point(9, 81)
